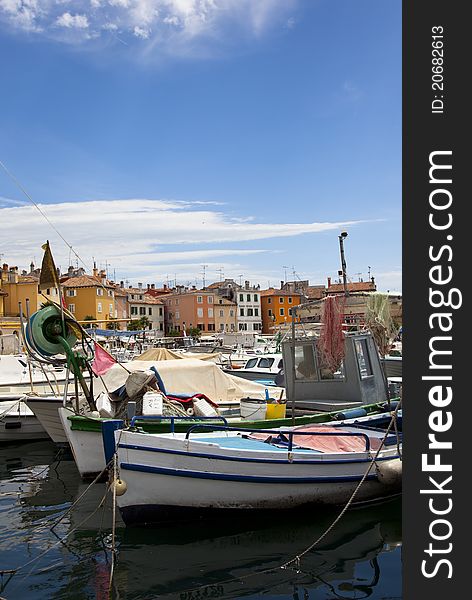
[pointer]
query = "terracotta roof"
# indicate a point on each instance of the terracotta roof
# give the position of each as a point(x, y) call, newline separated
point(274, 292)
point(356, 286)
point(28, 279)
point(146, 300)
point(86, 281)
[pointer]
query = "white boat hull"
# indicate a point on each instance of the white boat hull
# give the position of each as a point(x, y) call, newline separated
point(86, 446)
point(46, 411)
point(163, 473)
point(19, 424)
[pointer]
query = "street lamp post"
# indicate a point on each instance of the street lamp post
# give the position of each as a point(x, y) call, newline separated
point(343, 260)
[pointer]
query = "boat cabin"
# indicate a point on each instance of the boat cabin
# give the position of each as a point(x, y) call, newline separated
point(265, 363)
point(311, 385)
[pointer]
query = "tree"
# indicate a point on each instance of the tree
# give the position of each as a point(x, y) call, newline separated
point(138, 324)
point(194, 332)
point(90, 318)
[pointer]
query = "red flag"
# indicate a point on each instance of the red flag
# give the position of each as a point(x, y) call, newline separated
point(103, 361)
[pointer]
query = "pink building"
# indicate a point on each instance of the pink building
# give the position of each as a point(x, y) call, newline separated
point(191, 309)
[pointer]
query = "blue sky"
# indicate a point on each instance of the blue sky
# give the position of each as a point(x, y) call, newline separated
point(161, 135)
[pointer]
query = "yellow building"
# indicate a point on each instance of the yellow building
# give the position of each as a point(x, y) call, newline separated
point(225, 315)
point(90, 297)
point(21, 288)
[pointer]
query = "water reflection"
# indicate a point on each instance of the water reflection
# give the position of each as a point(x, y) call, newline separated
point(360, 557)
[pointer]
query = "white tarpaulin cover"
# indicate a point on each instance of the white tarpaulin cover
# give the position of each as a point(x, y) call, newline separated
point(154, 354)
point(191, 376)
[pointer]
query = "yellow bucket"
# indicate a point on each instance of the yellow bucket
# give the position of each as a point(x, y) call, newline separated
point(276, 411)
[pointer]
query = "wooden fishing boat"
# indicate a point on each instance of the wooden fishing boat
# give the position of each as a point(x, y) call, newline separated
point(229, 469)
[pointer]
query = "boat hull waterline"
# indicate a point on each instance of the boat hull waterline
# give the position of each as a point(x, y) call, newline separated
point(162, 471)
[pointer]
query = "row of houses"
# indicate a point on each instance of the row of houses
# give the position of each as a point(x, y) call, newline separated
point(223, 306)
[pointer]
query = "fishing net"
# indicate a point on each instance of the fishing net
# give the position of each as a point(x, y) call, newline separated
point(378, 320)
point(331, 341)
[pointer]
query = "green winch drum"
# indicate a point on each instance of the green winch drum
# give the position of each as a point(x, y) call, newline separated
point(42, 330)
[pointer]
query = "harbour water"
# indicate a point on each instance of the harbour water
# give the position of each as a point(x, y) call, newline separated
point(359, 558)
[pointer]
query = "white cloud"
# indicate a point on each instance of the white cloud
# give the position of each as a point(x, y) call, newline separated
point(72, 21)
point(171, 27)
point(133, 234)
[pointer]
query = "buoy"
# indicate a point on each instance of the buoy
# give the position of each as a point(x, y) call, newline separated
point(120, 486)
point(389, 472)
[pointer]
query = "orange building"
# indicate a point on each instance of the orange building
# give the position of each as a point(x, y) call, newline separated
point(276, 308)
point(191, 309)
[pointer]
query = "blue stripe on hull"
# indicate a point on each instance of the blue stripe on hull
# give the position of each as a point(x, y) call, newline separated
point(245, 478)
point(250, 459)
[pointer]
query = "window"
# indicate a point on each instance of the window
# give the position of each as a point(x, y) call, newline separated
point(305, 367)
point(177, 314)
point(231, 313)
point(248, 297)
point(201, 326)
point(211, 327)
point(250, 312)
point(269, 300)
point(200, 312)
point(99, 306)
point(210, 299)
point(266, 363)
point(134, 310)
point(71, 293)
point(161, 328)
point(256, 312)
point(132, 297)
point(222, 313)
point(160, 311)
point(269, 312)
point(281, 300)
point(241, 297)
point(363, 361)
point(232, 326)
point(281, 312)
point(71, 308)
point(290, 299)
point(149, 311)
point(200, 299)
point(110, 293)
point(281, 364)
point(241, 312)
point(110, 307)
point(99, 292)
point(256, 298)
point(210, 312)
point(142, 310)
point(290, 311)
point(251, 363)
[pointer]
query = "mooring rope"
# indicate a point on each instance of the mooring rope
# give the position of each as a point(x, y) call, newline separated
point(296, 559)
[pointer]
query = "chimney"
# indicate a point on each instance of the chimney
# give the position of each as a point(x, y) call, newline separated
point(31, 266)
point(281, 284)
point(122, 284)
point(246, 285)
point(329, 281)
point(165, 286)
point(95, 270)
point(153, 287)
point(148, 286)
point(140, 286)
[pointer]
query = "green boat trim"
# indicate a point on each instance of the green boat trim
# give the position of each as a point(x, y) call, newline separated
point(81, 423)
